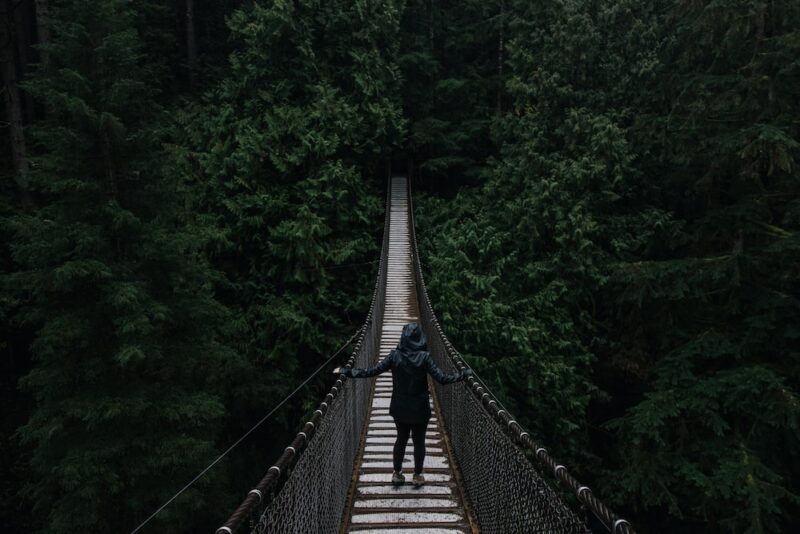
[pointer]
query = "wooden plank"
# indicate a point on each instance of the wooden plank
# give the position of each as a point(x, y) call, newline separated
point(437, 507)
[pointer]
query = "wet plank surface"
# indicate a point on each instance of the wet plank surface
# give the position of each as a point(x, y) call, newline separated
point(378, 506)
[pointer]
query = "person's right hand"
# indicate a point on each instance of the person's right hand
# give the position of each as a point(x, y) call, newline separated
point(342, 371)
point(467, 372)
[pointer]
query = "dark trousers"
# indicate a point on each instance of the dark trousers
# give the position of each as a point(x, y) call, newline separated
point(418, 436)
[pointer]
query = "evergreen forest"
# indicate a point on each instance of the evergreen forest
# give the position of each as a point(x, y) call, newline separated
point(607, 198)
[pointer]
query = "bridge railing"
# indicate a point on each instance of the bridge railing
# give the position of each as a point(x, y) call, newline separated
point(306, 489)
point(506, 492)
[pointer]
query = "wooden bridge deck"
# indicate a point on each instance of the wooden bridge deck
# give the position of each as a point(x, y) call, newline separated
point(376, 505)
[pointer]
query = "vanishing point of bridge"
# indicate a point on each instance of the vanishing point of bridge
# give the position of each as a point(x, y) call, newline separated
point(483, 472)
point(377, 506)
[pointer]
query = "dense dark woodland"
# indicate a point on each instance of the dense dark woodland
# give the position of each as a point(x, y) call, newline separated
point(608, 202)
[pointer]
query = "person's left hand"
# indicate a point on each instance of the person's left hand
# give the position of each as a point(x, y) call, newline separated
point(337, 371)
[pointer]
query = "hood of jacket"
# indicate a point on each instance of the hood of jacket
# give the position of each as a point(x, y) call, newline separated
point(412, 341)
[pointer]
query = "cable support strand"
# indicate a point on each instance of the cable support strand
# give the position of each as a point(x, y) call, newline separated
point(252, 429)
point(606, 516)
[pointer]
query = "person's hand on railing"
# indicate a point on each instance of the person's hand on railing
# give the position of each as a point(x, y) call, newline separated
point(342, 371)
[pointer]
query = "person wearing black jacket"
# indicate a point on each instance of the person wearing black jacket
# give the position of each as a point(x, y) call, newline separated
point(410, 363)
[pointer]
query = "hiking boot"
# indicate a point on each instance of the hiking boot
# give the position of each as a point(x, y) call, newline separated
point(419, 480)
point(398, 479)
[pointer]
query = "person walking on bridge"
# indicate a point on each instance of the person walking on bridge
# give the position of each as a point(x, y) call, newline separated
point(410, 407)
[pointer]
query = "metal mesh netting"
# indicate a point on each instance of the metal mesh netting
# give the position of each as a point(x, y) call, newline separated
point(313, 498)
point(505, 491)
point(317, 477)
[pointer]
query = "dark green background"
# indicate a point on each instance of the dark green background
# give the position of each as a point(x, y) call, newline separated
point(608, 200)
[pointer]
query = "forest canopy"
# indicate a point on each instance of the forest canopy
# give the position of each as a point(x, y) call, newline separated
point(608, 205)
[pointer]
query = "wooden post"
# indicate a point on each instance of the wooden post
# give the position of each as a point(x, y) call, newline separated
point(191, 43)
point(43, 29)
point(11, 97)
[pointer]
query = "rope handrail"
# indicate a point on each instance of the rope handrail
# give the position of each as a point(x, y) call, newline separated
point(246, 434)
point(306, 491)
point(614, 523)
point(267, 487)
point(268, 484)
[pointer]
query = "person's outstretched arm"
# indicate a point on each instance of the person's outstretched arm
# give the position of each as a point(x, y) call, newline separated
point(445, 378)
point(377, 369)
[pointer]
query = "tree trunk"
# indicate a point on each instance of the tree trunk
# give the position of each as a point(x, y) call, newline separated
point(430, 24)
point(108, 164)
point(13, 103)
point(191, 43)
point(433, 54)
point(500, 50)
point(43, 29)
point(23, 16)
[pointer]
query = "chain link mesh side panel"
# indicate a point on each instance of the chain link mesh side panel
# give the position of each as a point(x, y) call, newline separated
point(505, 491)
point(314, 495)
point(313, 498)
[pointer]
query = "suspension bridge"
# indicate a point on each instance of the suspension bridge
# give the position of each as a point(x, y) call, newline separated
point(484, 472)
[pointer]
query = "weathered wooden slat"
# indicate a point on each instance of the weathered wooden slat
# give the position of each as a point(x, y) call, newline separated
point(377, 506)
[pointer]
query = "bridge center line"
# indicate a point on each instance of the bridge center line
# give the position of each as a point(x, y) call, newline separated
point(378, 506)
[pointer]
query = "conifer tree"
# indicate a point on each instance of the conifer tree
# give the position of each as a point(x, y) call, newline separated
point(720, 301)
point(532, 244)
point(451, 86)
point(616, 249)
point(642, 219)
point(287, 154)
point(128, 366)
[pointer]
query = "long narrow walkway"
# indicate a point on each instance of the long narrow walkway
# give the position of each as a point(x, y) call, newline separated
point(377, 506)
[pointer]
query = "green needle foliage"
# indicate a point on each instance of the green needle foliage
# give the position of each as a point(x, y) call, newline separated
point(608, 204)
point(722, 394)
point(285, 156)
point(629, 270)
point(128, 363)
point(451, 67)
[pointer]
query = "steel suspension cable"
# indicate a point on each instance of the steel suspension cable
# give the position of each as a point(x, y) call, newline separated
point(306, 487)
point(614, 523)
point(252, 429)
